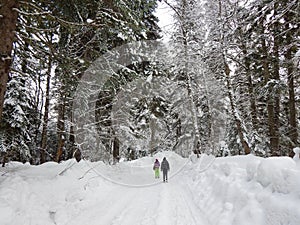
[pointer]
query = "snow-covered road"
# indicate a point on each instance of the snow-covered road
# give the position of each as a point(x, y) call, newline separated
point(163, 203)
point(96, 194)
point(243, 190)
point(133, 196)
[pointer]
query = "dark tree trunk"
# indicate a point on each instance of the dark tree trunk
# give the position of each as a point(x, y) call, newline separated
point(293, 132)
point(77, 155)
point(8, 22)
point(273, 135)
point(46, 115)
point(237, 121)
point(276, 77)
point(61, 130)
point(244, 143)
point(252, 99)
point(116, 149)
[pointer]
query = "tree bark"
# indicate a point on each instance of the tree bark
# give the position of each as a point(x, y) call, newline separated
point(293, 131)
point(61, 129)
point(8, 23)
point(152, 144)
point(276, 77)
point(273, 135)
point(238, 123)
point(252, 99)
point(187, 74)
point(116, 149)
point(46, 115)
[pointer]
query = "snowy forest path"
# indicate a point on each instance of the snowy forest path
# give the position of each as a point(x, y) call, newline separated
point(177, 205)
point(116, 204)
point(162, 203)
point(232, 191)
point(82, 194)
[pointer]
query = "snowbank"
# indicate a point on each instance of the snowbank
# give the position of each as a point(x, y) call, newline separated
point(247, 190)
point(240, 190)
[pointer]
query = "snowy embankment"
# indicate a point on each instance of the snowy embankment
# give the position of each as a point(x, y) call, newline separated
point(247, 190)
point(237, 190)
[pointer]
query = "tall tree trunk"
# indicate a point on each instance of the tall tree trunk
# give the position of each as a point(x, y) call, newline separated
point(46, 115)
point(293, 131)
point(152, 143)
point(116, 149)
point(276, 77)
point(238, 123)
point(252, 99)
point(73, 148)
point(273, 135)
point(61, 129)
point(187, 74)
point(182, 14)
point(8, 22)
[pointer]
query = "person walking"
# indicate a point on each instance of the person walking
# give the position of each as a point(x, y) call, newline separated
point(156, 168)
point(165, 167)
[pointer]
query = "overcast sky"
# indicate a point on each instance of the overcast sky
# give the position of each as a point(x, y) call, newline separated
point(164, 13)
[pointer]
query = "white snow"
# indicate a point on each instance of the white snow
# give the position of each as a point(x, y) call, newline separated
point(297, 154)
point(89, 21)
point(240, 190)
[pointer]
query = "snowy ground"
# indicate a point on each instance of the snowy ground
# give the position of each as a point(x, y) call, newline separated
point(242, 190)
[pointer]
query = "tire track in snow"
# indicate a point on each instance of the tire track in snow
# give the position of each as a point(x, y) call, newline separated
point(177, 207)
point(164, 214)
point(197, 215)
point(143, 212)
point(187, 195)
point(118, 206)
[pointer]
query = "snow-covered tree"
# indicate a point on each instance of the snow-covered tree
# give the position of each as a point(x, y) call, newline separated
point(190, 58)
point(19, 120)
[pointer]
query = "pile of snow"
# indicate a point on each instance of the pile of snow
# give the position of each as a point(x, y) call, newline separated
point(240, 190)
point(247, 190)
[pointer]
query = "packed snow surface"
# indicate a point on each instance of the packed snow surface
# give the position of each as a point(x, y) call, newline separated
point(240, 190)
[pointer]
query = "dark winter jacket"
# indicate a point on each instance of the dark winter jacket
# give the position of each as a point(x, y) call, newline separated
point(165, 165)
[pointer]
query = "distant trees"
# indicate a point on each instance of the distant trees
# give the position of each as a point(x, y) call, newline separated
point(264, 30)
point(126, 22)
point(55, 43)
point(263, 43)
point(194, 68)
point(249, 48)
point(236, 61)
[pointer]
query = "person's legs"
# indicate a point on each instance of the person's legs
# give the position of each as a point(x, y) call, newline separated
point(156, 173)
point(164, 176)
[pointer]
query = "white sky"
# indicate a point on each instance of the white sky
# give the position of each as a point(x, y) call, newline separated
point(165, 15)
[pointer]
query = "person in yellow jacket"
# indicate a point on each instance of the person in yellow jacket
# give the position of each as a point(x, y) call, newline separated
point(156, 168)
